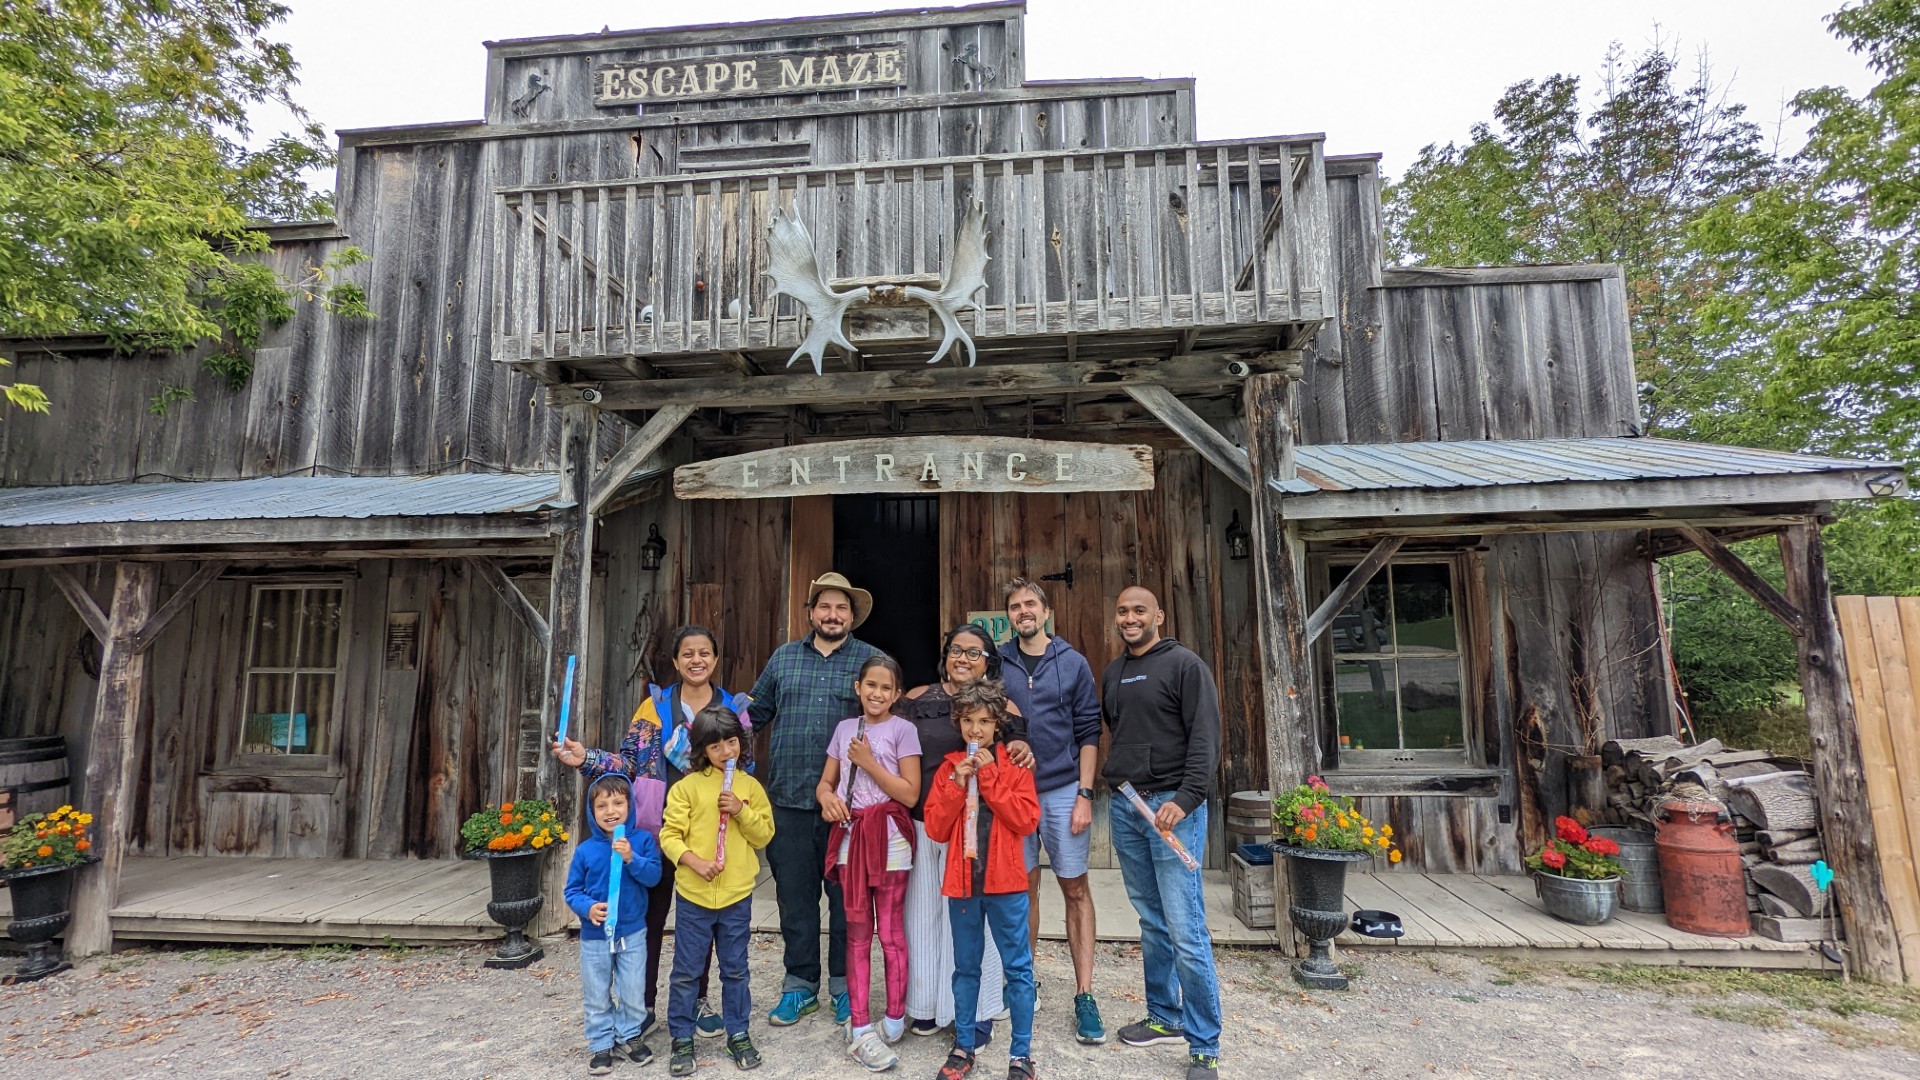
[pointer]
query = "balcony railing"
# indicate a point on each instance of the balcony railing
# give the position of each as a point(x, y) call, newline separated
point(1082, 242)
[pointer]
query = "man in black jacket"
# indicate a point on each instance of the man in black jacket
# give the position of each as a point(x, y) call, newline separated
point(1159, 701)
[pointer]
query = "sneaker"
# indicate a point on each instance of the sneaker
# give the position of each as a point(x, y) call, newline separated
point(1203, 1067)
point(959, 1064)
point(1087, 1025)
point(893, 1030)
point(601, 1063)
point(707, 1023)
point(648, 1021)
point(842, 1008)
point(681, 1063)
point(635, 1051)
point(1151, 1032)
point(740, 1049)
point(870, 1050)
point(793, 1005)
point(1020, 1069)
point(924, 1027)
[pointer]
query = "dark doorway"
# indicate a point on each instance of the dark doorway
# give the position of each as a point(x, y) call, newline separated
point(890, 546)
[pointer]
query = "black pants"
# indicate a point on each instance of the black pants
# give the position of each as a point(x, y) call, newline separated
point(798, 855)
point(659, 899)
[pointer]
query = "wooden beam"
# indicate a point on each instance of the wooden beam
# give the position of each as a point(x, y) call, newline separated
point(1744, 576)
point(1279, 600)
point(207, 574)
point(1350, 587)
point(1203, 371)
point(516, 601)
point(640, 445)
point(82, 601)
point(1549, 522)
point(1839, 772)
point(211, 536)
point(111, 753)
point(1202, 436)
point(1704, 495)
point(569, 610)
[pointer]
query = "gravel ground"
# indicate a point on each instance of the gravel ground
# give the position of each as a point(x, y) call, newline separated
point(329, 1012)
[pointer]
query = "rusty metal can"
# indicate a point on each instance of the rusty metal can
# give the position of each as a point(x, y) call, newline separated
point(1701, 878)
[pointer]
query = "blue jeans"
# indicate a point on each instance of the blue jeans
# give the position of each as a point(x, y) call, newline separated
point(1182, 991)
point(1006, 915)
point(612, 985)
point(724, 930)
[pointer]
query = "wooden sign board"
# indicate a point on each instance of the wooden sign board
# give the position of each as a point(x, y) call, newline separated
point(999, 628)
point(916, 465)
point(750, 75)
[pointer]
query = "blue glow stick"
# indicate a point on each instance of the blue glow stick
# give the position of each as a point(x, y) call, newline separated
point(566, 701)
point(615, 871)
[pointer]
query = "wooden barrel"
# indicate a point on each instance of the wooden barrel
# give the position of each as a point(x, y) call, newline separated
point(34, 772)
point(1250, 814)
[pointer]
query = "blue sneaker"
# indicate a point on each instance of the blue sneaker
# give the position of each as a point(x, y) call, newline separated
point(706, 1023)
point(794, 1004)
point(842, 1008)
point(1088, 1027)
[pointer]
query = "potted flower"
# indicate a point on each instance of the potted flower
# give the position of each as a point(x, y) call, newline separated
point(37, 858)
point(1320, 834)
point(511, 838)
point(1576, 875)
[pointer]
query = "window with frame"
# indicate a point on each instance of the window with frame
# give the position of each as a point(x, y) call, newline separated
point(293, 669)
point(1397, 668)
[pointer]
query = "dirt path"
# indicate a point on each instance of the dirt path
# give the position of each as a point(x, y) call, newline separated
point(370, 1013)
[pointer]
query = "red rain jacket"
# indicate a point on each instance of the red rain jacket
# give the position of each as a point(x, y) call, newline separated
point(1008, 791)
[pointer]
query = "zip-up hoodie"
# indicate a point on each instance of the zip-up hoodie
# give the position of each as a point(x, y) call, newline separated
point(1060, 706)
point(1165, 715)
point(587, 876)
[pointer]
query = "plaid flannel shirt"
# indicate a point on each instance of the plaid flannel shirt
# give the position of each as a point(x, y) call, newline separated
point(799, 698)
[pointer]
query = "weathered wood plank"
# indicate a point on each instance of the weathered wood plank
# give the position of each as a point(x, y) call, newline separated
point(1201, 435)
point(207, 574)
point(969, 463)
point(1351, 586)
point(1744, 576)
point(82, 601)
point(516, 601)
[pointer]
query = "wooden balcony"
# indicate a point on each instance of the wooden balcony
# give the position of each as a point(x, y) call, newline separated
point(1174, 245)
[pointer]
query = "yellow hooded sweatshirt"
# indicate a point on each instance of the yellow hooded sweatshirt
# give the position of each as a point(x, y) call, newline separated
point(692, 822)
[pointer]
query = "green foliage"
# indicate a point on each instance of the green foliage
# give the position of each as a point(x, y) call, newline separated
point(232, 367)
point(1732, 654)
point(168, 396)
point(24, 395)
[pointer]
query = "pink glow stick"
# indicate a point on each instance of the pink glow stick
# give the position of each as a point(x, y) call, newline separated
point(720, 845)
point(971, 842)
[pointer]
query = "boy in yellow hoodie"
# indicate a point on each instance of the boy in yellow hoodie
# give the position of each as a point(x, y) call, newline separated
point(716, 897)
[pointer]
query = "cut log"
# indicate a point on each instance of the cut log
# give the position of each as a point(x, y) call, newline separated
point(1741, 757)
point(1751, 859)
point(1615, 751)
point(1808, 930)
point(1776, 801)
point(1793, 884)
point(1804, 852)
point(1751, 847)
point(1776, 837)
point(1776, 907)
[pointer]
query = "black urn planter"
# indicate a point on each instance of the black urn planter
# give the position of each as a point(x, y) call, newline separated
point(1318, 880)
point(40, 913)
point(515, 877)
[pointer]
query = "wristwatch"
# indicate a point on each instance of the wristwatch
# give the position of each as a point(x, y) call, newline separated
point(1086, 793)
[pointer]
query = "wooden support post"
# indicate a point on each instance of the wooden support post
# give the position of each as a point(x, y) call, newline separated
point(516, 601)
point(1192, 427)
point(1839, 772)
point(1744, 576)
point(208, 573)
point(76, 593)
point(568, 612)
point(111, 750)
point(1351, 586)
point(651, 436)
point(1279, 603)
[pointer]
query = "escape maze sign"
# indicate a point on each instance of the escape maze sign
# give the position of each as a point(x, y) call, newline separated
point(747, 75)
point(961, 463)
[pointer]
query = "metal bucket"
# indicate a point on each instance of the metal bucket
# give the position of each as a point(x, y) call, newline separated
point(1576, 900)
point(1641, 860)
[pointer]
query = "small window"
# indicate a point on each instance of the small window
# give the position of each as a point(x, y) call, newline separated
point(293, 669)
point(1397, 673)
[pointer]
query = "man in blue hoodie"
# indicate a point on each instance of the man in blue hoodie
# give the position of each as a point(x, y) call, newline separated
point(1053, 687)
point(613, 959)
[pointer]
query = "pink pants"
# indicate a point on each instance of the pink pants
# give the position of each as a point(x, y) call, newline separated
point(885, 905)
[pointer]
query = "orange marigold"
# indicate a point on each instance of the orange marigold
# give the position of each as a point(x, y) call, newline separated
point(506, 808)
point(43, 851)
point(82, 845)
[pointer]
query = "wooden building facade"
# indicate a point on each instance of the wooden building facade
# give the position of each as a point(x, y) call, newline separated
point(588, 288)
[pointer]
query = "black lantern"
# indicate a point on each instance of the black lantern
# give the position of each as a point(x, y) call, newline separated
point(1236, 538)
point(653, 550)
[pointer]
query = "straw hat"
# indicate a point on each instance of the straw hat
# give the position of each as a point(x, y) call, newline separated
point(861, 599)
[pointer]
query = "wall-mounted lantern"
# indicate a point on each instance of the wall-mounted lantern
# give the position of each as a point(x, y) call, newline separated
point(1237, 546)
point(653, 549)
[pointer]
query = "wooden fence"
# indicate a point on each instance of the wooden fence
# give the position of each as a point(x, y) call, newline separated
point(1882, 635)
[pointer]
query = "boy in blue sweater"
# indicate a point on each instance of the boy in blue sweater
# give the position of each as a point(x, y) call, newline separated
point(613, 959)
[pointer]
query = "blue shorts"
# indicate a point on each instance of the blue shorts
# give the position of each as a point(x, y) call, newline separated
point(1066, 853)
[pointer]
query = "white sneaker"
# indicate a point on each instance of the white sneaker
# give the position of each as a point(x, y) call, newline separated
point(893, 1030)
point(871, 1051)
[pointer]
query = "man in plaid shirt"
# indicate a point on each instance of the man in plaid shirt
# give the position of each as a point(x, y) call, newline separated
point(805, 690)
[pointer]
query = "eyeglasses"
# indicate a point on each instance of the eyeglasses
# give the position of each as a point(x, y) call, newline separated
point(955, 651)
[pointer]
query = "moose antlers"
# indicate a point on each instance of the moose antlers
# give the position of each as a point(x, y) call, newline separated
point(795, 273)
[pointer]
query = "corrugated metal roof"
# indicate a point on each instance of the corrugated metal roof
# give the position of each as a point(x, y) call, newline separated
point(273, 498)
point(1465, 464)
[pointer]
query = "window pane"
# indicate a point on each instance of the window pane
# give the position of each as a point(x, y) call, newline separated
point(320, 638)
point(312, 719)
point(1362, 625)
point(1423, 607)
point(1364, 699)
point(1430, 703)
point(274, 628)
point(269, 713)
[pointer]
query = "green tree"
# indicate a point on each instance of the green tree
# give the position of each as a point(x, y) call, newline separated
point(126, 185)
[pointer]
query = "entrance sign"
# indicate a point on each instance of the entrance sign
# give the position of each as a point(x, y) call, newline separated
point(749, 75)
point(916, 465)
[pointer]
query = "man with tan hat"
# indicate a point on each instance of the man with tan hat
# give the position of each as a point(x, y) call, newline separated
point(804, 691)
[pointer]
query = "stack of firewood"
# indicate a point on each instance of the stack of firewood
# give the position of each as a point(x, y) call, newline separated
point(1770, 801)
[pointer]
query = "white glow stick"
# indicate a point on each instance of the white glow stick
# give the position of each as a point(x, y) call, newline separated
point(971, 842)
point(1186, 857)
point(615, 871)
point(720, 845)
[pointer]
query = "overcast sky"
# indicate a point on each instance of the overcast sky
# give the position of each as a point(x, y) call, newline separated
point(1375, 76)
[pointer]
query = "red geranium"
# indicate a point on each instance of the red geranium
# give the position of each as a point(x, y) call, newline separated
point(1600, 845)
point(1553, 858)
point(1570, 830)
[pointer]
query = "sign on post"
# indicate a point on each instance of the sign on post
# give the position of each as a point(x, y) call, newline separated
point(914, 465)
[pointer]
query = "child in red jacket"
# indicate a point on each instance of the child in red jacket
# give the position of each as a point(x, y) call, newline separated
point(989, 889)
